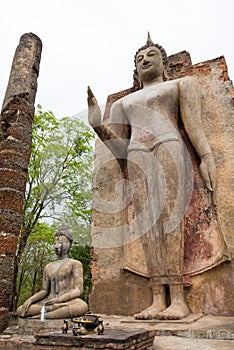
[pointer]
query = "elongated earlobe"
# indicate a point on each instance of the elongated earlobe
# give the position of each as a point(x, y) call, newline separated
point(136, 80)
point(165, 75)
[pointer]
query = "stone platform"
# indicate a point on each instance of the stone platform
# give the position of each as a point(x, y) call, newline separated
point(197, 326)
point(203, 332)
point(112, 339)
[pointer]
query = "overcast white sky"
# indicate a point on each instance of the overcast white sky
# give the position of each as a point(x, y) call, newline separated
point(93, 43)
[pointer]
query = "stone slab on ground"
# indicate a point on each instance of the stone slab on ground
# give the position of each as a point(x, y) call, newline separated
point(111, 339)
point(178, 343)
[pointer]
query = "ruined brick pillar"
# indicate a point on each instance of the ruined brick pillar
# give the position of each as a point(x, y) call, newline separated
point(15, 147)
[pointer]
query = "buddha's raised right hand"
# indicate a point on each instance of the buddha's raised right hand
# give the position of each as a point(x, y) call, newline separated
point(94, 115)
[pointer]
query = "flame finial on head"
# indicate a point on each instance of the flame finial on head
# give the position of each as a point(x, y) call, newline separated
point(149, 40)
point(64, 231)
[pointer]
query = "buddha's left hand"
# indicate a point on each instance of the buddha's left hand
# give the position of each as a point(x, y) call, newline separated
point(209, 172)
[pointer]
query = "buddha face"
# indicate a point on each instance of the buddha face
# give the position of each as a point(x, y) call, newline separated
point(61, 246)
point(149, 63)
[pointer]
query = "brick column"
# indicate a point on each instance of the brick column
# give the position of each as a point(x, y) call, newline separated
point(15, 147)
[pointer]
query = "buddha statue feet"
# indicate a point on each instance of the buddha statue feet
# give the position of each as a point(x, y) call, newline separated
point(151, 312)
point(175, 311)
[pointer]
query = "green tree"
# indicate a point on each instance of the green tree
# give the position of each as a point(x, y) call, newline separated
point(37, 253)
point(59, 179)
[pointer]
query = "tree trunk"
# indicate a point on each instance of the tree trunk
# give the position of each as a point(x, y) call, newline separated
point(15, 149)
point(17, 293)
